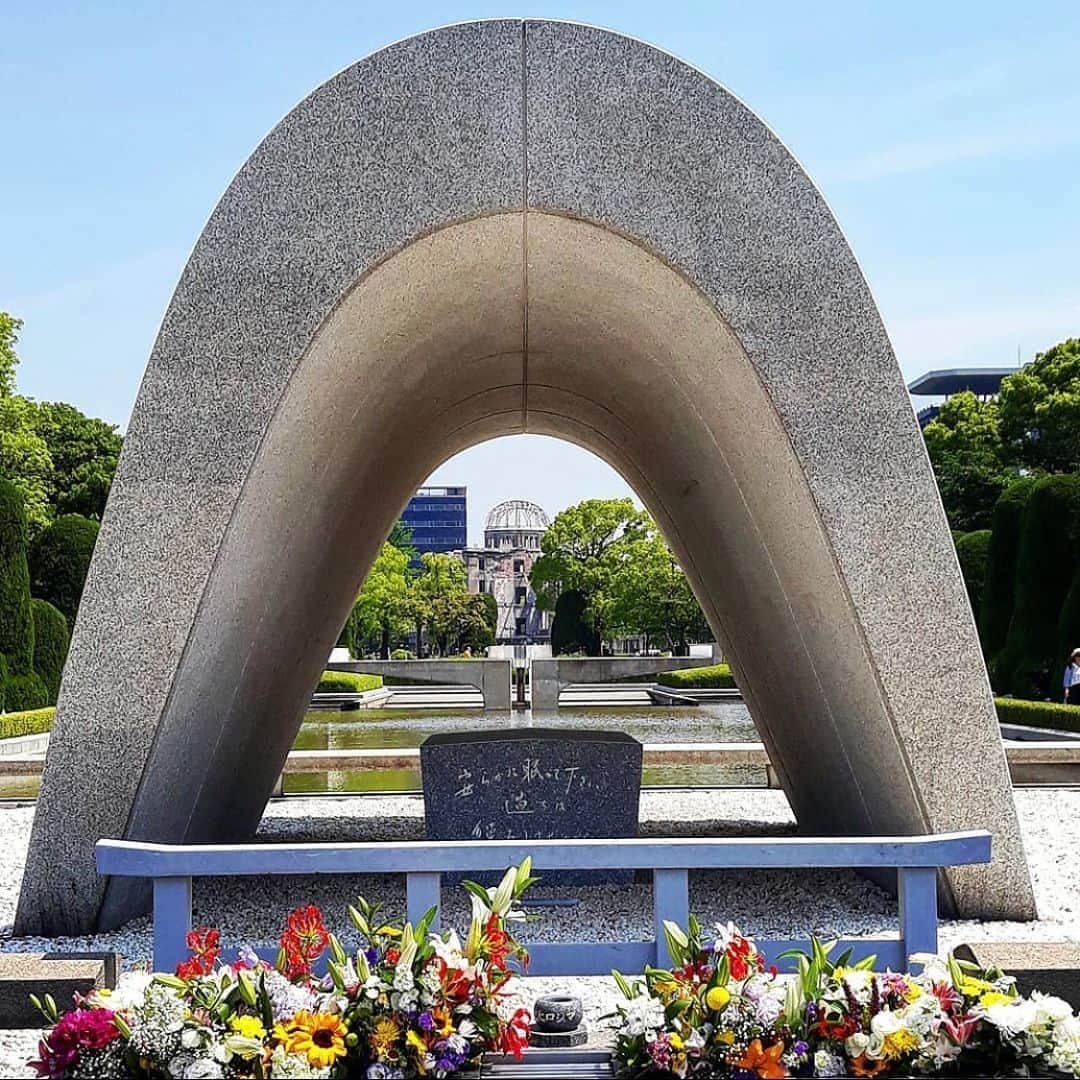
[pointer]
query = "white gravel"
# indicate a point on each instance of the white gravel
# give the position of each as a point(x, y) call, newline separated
point(767, 903)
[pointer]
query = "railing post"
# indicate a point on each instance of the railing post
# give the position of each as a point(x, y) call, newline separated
point(172, 921)
point(671, 900)
point(917, 891)
point(423, 891)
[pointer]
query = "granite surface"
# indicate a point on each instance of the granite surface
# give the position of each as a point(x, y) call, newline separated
point(498, 227)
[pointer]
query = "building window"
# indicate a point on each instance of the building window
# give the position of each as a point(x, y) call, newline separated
point(480, 563)
point(519, 595)
point(519, 566)
point(519, 627)
point(483, 586)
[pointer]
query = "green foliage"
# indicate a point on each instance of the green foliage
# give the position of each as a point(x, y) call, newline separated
point(84, 453)
point(401, 538)
point(714, 677)
point(571, 632)
point(347, 682)
point(1048, 555)
point(998, 589)
point(16, 622)
point(51, 640)
point(437, 602)
point(9, 359)
point(25, 458)
point(969, 459)
point(584, 549)
point(1040, 714)
point(381, 612)
point(651, 596)
point(612, 555)
point(25, 692)
point(59, 561)
point(1040, 410)
point(972, 549)
point(1069, 618)
point(35, 722)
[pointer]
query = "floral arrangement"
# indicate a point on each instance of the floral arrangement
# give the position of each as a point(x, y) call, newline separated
point(408, 1003)
point(721, 1013)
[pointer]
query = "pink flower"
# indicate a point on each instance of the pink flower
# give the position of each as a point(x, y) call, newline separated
point(80, 1029)
point(961, 1028)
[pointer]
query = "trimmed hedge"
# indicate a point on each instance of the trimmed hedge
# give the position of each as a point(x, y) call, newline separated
point(715, 677)
point(23, 693)
point(1040, 714)
point(999, 587)
point(972, 549)
point(35, 722)
point(347, 682)
point(1028, 665)
point(60, 560)
point(51, 640)
point(16, 622)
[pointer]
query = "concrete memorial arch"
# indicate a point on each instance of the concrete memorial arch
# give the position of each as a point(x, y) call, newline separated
point(492, 228)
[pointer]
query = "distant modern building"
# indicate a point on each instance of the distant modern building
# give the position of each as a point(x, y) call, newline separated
point(437, 518)
point(983, 382)
point(512, 533)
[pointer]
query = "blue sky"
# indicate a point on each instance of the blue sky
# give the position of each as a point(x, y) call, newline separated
point(946, 137)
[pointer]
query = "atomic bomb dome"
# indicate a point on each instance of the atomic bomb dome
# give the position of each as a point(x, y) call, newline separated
point(515, 524)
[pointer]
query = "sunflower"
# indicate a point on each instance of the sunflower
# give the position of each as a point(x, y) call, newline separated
point(385, 1036)
point(321, 1036)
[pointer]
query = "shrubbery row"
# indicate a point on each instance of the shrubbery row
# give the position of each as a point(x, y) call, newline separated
point(715, 677)
point(1040, 714)
point(347, 682)
point(34, 722)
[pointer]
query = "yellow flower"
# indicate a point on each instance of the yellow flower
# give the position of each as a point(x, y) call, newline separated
point(994, 997)
point(725, 1037)
point(972, 987)
point(388, 931)
point(321, 1036)
point(250, 1027)
point(385, 1035)
point(900, 1042)
point(676, 1041)
point(418, 1044)
point(913, 992)
point(717, 998)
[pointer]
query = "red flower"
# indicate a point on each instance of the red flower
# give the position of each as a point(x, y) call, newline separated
point(498, 943)
point(304, 939)
point(839, 1030)
point(515, 1039)
point(205, 946)
point(393, 955)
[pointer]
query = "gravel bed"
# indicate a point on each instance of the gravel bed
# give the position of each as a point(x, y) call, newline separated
point(766, 903)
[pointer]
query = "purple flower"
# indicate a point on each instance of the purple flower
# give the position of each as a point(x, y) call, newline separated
point(372, 956)
point(426, 1022)
point(800, 1047)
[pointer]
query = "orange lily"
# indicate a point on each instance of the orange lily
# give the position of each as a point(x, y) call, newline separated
point(764, 1063)
point(864, 1066)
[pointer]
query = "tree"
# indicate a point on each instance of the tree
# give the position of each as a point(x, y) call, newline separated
point(969, 460)
point(1040, 410)
point(51, 640)
point(9, 359)
point(432, 595)
point(25, 460)
point(84, 453)
point(571, 631)
point(973, 550)
point(584, 549)
point(652, 596)
point(1047, 558)
point(60, 560)
point(380, 610)
point(1000, 583)
point(401, 538)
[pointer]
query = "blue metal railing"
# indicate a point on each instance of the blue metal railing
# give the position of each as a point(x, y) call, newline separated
point(916, 860)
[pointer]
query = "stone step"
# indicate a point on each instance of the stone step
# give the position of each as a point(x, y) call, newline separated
point(60, 974)
point(1052, 967)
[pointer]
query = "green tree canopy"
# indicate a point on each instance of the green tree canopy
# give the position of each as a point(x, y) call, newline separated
point(84, 453)
point(381, 611)
point(25, 459)
point(585, 549)
point(9, 359)
point(1040, 410)
point(969, 460)
point(60, 560)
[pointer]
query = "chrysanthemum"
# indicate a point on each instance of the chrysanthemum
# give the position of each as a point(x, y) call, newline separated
point(320, 1036)
point(385, 1036)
